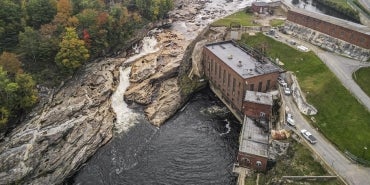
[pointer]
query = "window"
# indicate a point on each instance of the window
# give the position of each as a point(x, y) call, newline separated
point(224, 80)
point(228, 80)
point(268, 85)
point(259, 163)
point(251, 87)
point(219, 71)
point(259, 86)
point(211, 65)
point(216, 69)
point(234, 82)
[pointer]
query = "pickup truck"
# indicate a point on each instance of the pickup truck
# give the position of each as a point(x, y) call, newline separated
point(306, 134)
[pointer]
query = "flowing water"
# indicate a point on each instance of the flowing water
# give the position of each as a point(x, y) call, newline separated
point(197, 146)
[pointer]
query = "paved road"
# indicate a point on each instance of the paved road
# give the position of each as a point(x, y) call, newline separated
point(365, 3)
point(341, 66)
point(352, 173)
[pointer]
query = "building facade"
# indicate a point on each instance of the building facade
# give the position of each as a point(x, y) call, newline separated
point(253, 147)
point(232, 71)
point(260, 7)
point(350, 32)
point(258, 105)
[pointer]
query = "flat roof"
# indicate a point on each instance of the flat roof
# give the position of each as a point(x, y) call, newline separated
point(258, 97)
point(260, 3)
point(330, 19)
point(240, 61)
point(253, 139)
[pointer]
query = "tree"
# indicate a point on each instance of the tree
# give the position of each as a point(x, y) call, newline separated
point(64, 11)
point(40, 12)
point(29, 42)
point(27, 93)
point(72, 53)
point(10, 63)
point(37, 47)
point(10, 24)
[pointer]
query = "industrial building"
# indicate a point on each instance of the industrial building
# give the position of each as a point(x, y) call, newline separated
point(241, 79)
point(350, 32)
point(232, 71)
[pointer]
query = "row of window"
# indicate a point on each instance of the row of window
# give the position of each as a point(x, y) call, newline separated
point(260, 85)
point(222, 78)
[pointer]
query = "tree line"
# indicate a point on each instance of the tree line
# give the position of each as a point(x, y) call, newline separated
point(43, 41)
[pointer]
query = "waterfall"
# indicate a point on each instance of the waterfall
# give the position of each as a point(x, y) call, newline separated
point(149, 45)
point(125, 117)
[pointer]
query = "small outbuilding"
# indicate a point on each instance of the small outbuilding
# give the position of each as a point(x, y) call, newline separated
point(260, 7)
point(258, 105)
point(254, 146)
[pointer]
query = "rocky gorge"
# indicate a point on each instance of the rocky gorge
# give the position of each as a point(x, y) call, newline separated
point(78, 118)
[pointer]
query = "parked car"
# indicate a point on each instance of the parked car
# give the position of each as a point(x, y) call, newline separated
point(307, 135)
point(290, 120)
point(282, 82)
point(287, 91)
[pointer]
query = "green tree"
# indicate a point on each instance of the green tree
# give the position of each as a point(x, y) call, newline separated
point(36, 47)
point(27, 93)
point(10, 24)
point(4, 116)
point(72, 53)
point(29, 42)
point(40, 12)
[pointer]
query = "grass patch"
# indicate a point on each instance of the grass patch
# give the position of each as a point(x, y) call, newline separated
point(297, 162)
point(242, 18)
point(276, 22)
point(341, 118)
point(342, 7)
point(362, 77)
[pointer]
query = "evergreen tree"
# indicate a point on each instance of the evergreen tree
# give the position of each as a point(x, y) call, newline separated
point(10, 24)
point(40, 12)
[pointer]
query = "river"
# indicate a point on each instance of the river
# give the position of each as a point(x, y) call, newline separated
point(197, 146)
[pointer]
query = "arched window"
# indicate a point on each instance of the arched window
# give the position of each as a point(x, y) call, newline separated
point(259, 163)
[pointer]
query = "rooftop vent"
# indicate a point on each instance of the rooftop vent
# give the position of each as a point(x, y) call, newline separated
point(240, 64)
point(230, 57)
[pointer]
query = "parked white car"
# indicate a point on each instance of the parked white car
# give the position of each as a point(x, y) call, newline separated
point(282, 82)
point(287, 91)
point(290, 120)
point(307, 135)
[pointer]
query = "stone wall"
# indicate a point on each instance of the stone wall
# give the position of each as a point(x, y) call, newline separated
point(327, 42)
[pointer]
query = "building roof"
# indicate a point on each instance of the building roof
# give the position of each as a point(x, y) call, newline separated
point(258, 97)
point(259, 3)
point(330, 19)
point(253, 139)
point(240, 61)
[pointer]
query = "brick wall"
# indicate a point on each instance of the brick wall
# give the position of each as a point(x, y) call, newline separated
point(253, 110)
point(346, 34)
point(232, 85)
point(260, 9)
point(250, 161)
